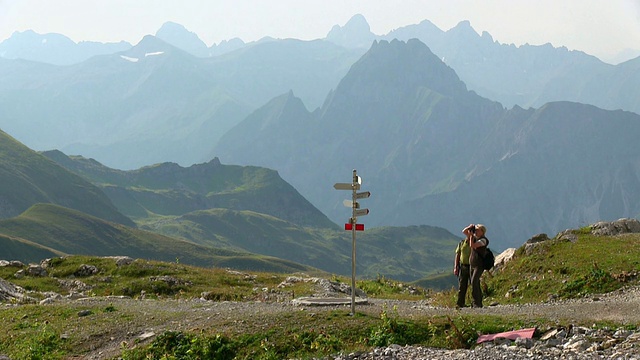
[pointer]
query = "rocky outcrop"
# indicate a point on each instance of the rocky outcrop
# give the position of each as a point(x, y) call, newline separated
point(504, 257)
point(601, 228)
point(12, 293)
point(621, 226)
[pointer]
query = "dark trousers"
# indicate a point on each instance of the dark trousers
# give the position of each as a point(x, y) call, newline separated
point(476, 290)
point(463, 284)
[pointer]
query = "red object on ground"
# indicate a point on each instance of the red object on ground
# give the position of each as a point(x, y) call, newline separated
point(511, 335)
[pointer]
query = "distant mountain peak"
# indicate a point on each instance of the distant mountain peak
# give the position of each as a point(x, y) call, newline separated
point(426, 31)
point(357, 22)
point(404, 65)
point(356, 33)
point(464, 31)
point(487, 36)
point(169, 27)
point(178, 36)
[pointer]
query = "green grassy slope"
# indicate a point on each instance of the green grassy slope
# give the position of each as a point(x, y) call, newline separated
point(563, 268)
point(403, 253)
point(72, 232)
point(169, 189)
point(581, 267)
point(14, 248)
point(256, 233)
point(251, 209)
point(27, 178)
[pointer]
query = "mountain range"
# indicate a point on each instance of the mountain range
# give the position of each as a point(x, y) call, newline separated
point(431, 151)
point(527, 75)
point(444, 127)
point(155, 103)
point(209, 214)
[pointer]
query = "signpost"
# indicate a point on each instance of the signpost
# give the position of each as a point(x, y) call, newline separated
point(353, 225)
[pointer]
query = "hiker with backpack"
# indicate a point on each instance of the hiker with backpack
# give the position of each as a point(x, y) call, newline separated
point(478, 243)
point(462, 270)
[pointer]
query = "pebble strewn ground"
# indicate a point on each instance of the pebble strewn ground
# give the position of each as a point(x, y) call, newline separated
point(576, 343)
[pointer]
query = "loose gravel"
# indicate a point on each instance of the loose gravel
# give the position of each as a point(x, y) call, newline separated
point(622, 306)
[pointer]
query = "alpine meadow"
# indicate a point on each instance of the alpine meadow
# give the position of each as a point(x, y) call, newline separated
point(169, 170)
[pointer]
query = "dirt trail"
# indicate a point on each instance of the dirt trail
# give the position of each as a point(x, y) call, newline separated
point(622, 306)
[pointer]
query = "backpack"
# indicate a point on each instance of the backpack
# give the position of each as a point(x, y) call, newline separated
point(488, 260)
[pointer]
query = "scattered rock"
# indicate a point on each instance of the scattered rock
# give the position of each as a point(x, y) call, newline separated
point(12, 293)
point(620, 226)
point(122, 260)
point(86, 270)
point(171, 281)
point(503, 258)
point(567, 235)
point(47, 301)
point(73, 285)
point(146, 335)
point(537, 238)
point(36, 270)
point(576, 347)
point(82, 313)
point(13, 263)
point(532, 243)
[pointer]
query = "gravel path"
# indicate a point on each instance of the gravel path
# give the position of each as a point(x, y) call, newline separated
point(622, 306)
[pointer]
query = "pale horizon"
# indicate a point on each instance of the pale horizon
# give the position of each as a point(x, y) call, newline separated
point(603, 29)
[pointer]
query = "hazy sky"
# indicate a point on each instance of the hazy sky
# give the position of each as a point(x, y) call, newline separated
point(598, 27)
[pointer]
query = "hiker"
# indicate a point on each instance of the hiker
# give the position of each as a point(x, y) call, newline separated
point(478, 243)
point(462, 271)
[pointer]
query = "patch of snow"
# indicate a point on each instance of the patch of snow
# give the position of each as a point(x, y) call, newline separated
point(154, 53)
point(44, 41)
point(508, 155)
point(129, 58)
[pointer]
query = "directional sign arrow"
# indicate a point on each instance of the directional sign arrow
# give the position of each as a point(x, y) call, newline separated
point(363, 195)
point(346, 186)
point(361, 212)
point(343, 186)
